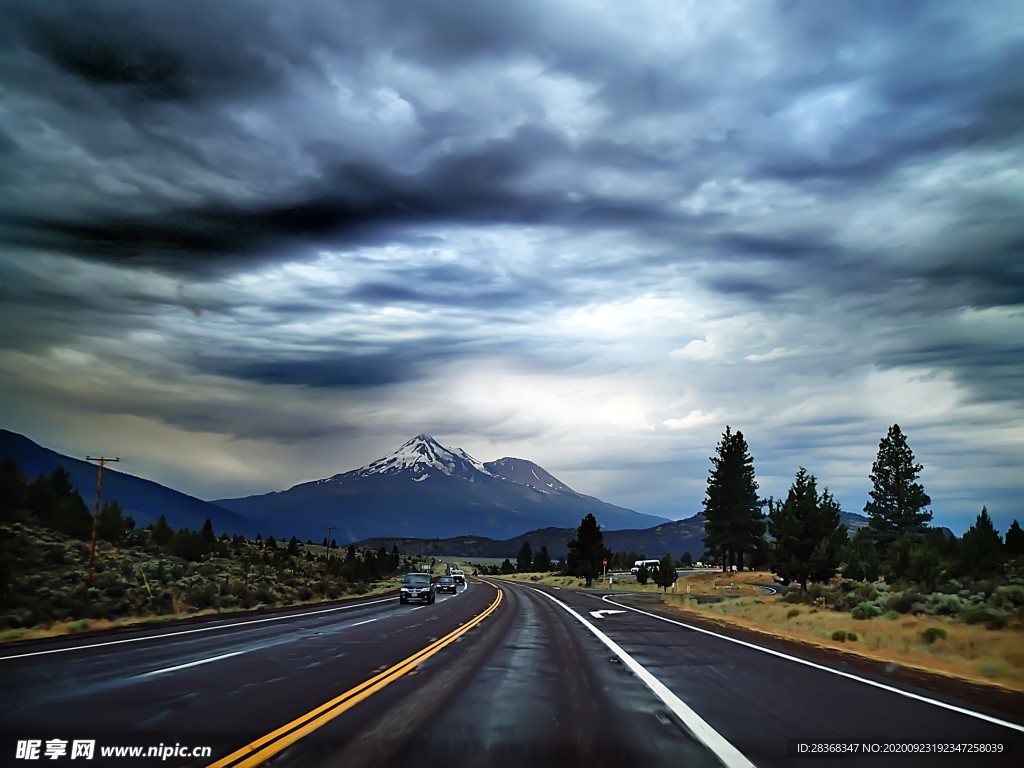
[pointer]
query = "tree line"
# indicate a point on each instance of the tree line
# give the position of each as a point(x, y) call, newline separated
point(803, 537)
point(53, 502)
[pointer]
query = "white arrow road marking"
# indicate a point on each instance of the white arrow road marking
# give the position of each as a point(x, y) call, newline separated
point(602, 614)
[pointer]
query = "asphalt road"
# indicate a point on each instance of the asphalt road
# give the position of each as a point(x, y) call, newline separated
point(493, 676)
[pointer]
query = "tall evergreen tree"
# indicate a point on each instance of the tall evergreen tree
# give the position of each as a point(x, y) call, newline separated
point(861, 558)
point(898, 504)
point(981, 551)
point(587, 550)
point(162, 531)
point(1014, 540)
point(207, 531)
point(13, 490)
point(524, 560)
point(809, 533)
point(734, 521)
point(542, 561)
point(507, 567)
point(113, 525)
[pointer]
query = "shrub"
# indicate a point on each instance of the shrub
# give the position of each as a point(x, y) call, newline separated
point(792, 613)
point(932, 634)
point(840, 635)
point(903, 602)
point(1008, 597)
point(792, 595)
point(851, 636)
point(990, 617)
point(866, 611)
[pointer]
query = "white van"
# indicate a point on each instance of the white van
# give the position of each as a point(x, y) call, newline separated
point(652, 565)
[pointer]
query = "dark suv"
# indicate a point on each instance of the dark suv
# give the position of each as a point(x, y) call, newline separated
point(416, 587)
point(447, 584)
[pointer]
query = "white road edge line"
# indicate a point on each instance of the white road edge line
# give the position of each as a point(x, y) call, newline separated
point(360, 623)
point(192, 631)
point(192, 664)
point(708, 736)
point(823, 668)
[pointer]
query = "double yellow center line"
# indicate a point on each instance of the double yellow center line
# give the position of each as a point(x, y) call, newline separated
point(267, 746)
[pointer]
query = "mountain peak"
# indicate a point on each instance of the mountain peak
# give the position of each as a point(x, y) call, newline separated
point(422, 456)
point(528, 473)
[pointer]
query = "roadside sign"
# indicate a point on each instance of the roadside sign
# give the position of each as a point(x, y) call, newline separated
point(605, 562)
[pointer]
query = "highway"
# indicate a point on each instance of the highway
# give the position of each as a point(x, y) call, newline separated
point(498, 675)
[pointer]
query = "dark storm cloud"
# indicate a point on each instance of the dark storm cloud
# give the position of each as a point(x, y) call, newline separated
point(359, 203)
point(179, 52)
point(365, 200)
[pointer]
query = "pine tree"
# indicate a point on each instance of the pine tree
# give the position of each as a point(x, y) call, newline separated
point(981, 552)
point(587, 550)
point(861, 558)
point(13, 490)
point(808, 531)
point(686, 561)
point(666, 575)
point(112, 525)
point(643, 574)
point(1014, 540)
point(524, 560)
point(542, 562)
point(207, 531)
point(898, 503)
point(162, 531)
point(507, 567)
point(734, 521)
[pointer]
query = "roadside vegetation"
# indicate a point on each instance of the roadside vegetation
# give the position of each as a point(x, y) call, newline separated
point(900, 589)
point(152, 573)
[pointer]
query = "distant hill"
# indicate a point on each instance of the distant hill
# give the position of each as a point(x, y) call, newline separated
point(673, 538)
point(424, 489)
point(143, 499)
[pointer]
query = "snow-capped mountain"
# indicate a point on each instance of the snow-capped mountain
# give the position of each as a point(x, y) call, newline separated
point(426, 489)
point(529, 474)
point(423, 455)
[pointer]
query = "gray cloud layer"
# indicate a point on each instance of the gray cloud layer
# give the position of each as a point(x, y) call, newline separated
point(801, 218)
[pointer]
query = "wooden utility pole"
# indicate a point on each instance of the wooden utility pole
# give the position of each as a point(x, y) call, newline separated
point(96, 512)
point(329, 528)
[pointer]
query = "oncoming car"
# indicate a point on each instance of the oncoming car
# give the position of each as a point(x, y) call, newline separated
point(418, 587)
point(459, 576)
point(447, 584)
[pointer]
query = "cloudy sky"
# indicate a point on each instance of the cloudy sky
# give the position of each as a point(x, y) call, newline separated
point(249, 244)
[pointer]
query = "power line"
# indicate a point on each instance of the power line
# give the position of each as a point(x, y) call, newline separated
point(96, 511)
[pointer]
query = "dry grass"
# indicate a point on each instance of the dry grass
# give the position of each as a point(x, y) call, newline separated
point(77, 626)
point(700, 584)
point(968, 652)
point(543, 579)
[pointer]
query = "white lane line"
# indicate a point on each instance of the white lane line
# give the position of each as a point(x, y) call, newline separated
point(193, 631)
point(708, 736)
point(192, 664)
point(360, 623)
point(848, 675)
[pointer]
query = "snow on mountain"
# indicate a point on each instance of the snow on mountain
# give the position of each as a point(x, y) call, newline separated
point(423, 455)
point(426, 489)
point(529, 474)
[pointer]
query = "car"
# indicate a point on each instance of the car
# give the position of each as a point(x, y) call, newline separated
point(459, 576)
point(447, 584)
point(417, 587)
